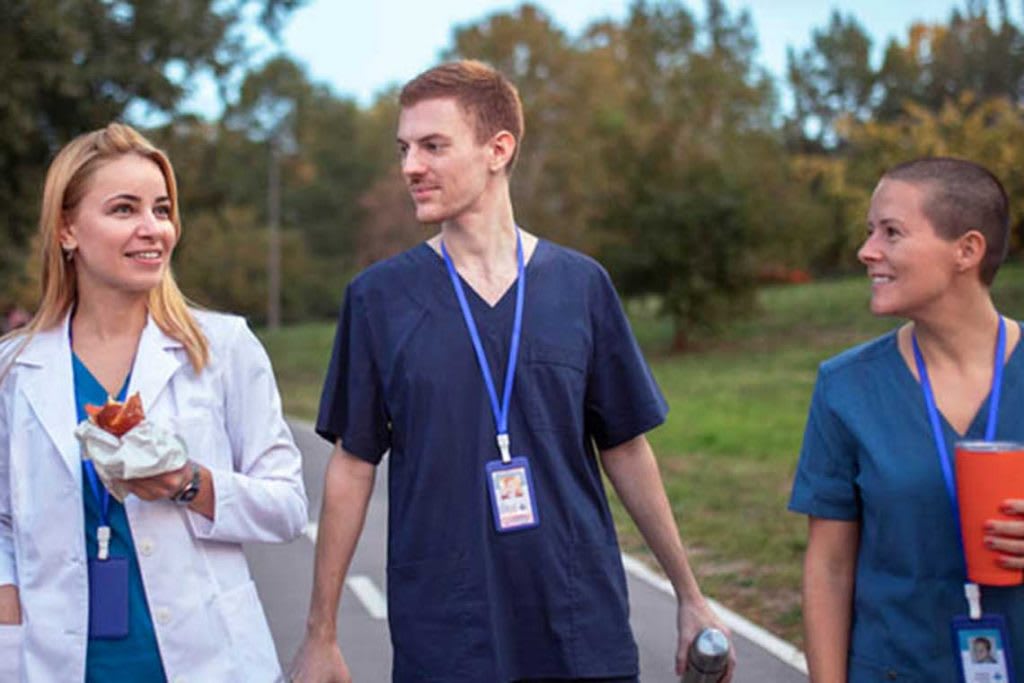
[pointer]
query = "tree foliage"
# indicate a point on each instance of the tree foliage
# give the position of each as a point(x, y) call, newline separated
point(692, 121)
point(74, 65)
point(831, 79)
point(655, 141)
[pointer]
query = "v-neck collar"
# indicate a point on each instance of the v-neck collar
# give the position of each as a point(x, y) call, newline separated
point(975, 426)
point(93, 386)
point(478, 301)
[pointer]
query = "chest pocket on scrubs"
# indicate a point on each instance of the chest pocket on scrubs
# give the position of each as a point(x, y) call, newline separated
point(551, 385)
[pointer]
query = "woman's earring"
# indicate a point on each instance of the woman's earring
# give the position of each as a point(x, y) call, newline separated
point(69, 253)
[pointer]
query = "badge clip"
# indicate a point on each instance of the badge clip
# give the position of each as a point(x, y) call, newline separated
point(103, 541)
point(505, 448)
point(973, 594)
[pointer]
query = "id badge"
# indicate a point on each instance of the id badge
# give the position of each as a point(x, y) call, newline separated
point(512, 496)
point(108, 598)
point(982, 649)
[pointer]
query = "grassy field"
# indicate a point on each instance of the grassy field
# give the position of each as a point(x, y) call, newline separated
point(730, 445)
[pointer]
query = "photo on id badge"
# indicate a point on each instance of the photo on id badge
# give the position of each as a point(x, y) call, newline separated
point(512, 500)
point(983, 656)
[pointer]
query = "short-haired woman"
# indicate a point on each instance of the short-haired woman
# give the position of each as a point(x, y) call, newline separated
point(884, 574)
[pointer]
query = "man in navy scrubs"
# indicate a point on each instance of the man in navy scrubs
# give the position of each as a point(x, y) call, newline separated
point(502, 376)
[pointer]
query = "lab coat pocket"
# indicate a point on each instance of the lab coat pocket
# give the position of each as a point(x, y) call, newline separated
point(12, 637)
point(248, 633)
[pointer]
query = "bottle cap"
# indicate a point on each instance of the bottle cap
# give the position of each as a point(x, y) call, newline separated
point(710, 650)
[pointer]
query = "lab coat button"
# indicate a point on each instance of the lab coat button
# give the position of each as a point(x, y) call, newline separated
point(163, 616)
point(146, 547)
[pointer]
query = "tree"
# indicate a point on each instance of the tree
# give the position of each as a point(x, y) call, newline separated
point(990, 131)
point(830, 79)
point(74, 65)
point(691, 152)
point(936, 63)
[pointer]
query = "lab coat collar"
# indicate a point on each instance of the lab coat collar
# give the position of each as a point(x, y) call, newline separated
point(50, 389)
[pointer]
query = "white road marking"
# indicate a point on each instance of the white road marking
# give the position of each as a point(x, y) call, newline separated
point(372, 598)
point(738, 624)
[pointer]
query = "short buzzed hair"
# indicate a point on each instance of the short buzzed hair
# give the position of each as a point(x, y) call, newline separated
point(961, 196)
point(481, 91)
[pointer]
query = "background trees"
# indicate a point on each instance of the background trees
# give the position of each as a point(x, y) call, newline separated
point(73, 65)
point(656, 142)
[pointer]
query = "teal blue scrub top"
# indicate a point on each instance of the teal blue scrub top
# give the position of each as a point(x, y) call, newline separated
point(869, 456)
point(136, 657)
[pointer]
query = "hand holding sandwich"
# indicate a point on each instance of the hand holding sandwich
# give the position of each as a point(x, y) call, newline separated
point(136, 456)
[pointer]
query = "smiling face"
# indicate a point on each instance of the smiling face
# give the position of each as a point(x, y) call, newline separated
point(910, 266)
point(121, 231)
point(447, 170)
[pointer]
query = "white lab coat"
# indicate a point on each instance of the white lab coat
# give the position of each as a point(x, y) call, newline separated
point(209, 623)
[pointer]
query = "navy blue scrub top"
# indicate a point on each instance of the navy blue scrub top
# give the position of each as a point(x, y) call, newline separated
point(137, 656)
point(466, 603)
point(869, 456)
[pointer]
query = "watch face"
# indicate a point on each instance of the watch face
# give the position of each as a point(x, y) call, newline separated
point(192, 489)
point(189, 494)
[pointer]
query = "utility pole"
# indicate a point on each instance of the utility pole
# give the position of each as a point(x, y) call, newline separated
point(274, 231)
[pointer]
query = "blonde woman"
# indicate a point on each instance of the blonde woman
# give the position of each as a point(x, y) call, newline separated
point(172, 598)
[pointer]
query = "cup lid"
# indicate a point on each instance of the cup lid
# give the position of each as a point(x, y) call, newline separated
point(982, 446)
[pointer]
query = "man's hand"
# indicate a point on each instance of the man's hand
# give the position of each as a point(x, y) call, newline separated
point(633, 471)
point(348, 484)
point(10, 605)
point(693, 617)
point(319, 661)
point(1008, 537)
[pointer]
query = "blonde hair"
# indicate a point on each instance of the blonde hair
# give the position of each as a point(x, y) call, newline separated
point(67, 181)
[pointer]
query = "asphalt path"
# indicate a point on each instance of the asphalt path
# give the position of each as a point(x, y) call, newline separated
point(283, 575)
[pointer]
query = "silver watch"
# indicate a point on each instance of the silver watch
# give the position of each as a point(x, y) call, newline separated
point(187, 493)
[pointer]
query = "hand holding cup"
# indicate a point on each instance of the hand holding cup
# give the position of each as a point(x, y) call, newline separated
point(1007, 536)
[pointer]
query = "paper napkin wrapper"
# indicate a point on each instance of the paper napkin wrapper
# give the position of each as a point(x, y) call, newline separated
point(144, 451)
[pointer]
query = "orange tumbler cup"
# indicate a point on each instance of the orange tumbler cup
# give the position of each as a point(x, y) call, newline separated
point(987, 473)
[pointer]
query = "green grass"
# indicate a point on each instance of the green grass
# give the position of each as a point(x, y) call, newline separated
point(300, 354)
point(729, 448)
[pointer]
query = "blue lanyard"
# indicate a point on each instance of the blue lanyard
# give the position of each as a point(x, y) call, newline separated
point(500, 411)
point(933, 416)
point(100, 491)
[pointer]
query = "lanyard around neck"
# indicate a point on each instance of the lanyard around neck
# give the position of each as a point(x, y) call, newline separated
point(500, 411)
point(98, 489)
point(933, 416)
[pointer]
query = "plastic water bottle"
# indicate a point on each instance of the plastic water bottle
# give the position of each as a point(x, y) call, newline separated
point(708, 657)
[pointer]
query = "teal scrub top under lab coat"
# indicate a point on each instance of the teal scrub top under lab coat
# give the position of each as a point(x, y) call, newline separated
point(137, 656)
